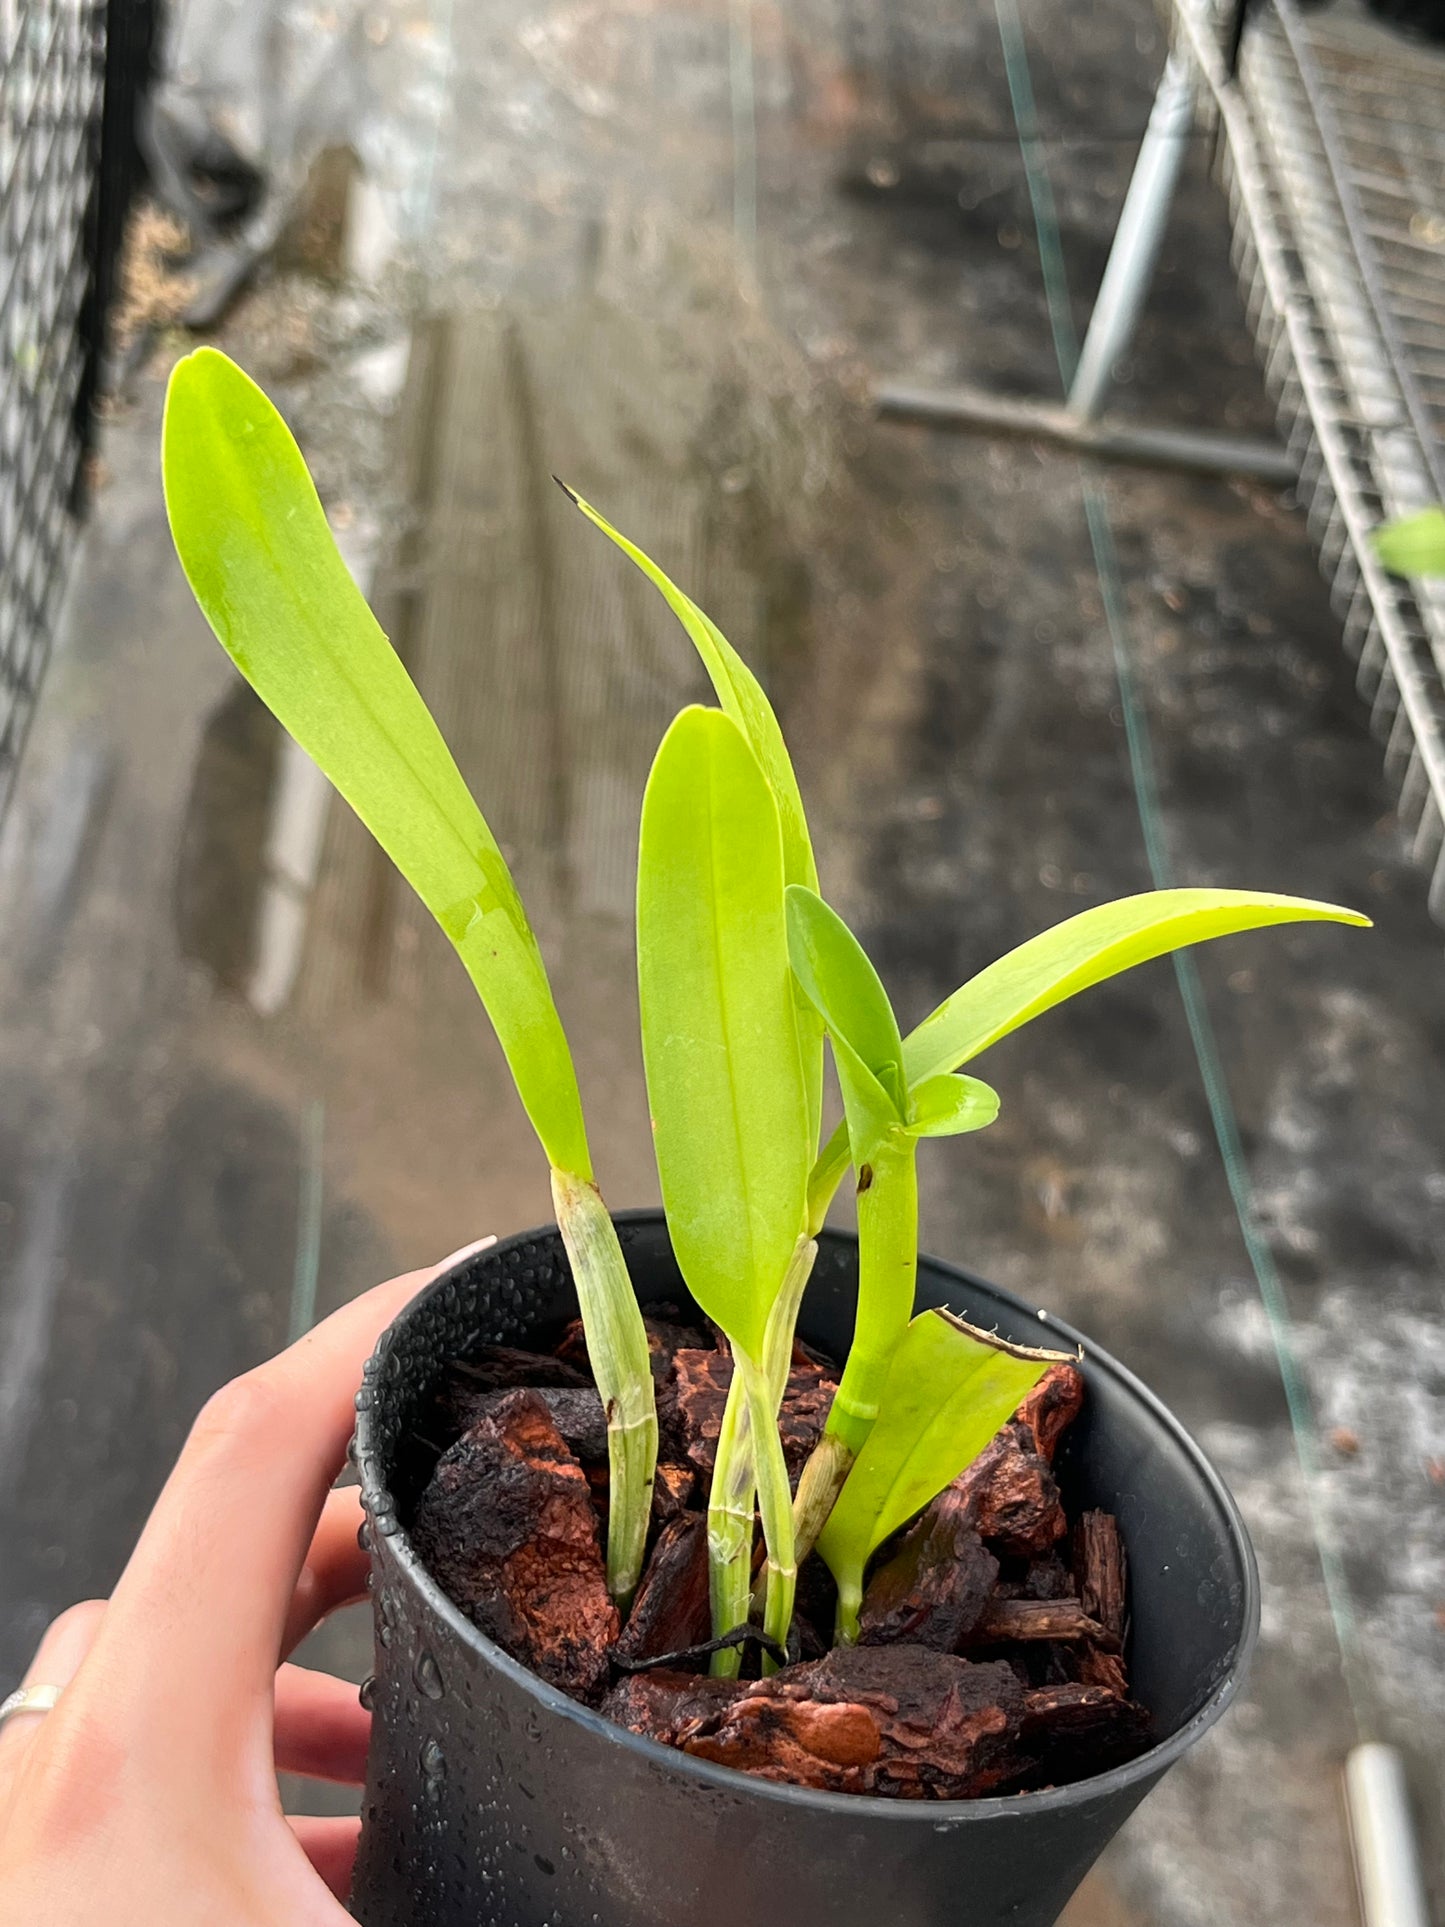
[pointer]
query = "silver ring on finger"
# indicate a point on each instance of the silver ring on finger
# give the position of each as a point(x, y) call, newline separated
point(28, 1699)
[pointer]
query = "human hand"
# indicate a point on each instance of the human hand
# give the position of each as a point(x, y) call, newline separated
point(148, 1797)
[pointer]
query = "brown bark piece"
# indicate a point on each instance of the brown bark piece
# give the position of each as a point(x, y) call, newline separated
point(1005, 1620)
point(833, 1747)
point(1100, 1570)
point(1044, 1578)
point(1077, 1730)
point(578, 1415)
point(807, 1401)
point(935, 1586)
point(670, 1611)
point(694, 1409)
point(665, 1338)
point(508, 1528)
point(673, 1490)
point(815, 1608)
point(670, 1707)
point(1051, 1407)
point(697, 1395)
point(892, 1720)
point(1075, 1709)
point(1016, 1501)
point(1103, 1666)
point(1011, 1491)
point(466, 1382)
point(575, 1410)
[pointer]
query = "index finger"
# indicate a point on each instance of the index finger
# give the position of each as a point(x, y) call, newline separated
point(187, 1654)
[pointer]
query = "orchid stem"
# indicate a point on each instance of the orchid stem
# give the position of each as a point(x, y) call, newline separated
point(734, 1486)
point(887, 1280)
point(775, 1502)
point(621, 1365)
point(730, 1527)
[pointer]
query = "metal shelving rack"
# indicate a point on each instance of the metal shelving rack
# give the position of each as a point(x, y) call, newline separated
point(1330, 143)
point(51, 61)
point(1332, 151)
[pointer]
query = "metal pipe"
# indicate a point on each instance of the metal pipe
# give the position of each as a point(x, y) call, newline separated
point(1136, 240)
point(1118, 441)
point(1382, 1839)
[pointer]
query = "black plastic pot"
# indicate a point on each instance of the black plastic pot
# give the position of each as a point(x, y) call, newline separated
point(493, 1801)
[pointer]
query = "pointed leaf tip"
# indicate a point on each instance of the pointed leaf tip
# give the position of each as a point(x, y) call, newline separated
point(743, 698)
point(1085, 950)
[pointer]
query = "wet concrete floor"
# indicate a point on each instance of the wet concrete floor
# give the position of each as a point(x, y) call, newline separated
point(242, 1076)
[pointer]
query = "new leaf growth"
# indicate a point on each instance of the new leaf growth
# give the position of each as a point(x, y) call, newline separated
point(949, 1389)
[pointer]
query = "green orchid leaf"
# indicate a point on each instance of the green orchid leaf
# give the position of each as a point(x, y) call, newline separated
point(719, 1037)
point(741, 695)
point(254, 543)
point(1083, 951)
point(835, 975)
point(949, 1105)
point(839, 980)
point(743, 698)
point(1415, 545)
point(949, 1389)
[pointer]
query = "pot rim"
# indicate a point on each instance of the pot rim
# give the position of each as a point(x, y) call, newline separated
point(940, 1814)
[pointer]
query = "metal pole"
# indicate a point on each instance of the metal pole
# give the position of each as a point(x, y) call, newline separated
point(1136, 240)
point(1193, 449)
point(1387, 1865)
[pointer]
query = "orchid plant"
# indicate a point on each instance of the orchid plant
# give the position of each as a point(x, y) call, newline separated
point(743, 971)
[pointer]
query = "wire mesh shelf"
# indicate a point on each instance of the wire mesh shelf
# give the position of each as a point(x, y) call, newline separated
point(51, 61)
point(1332, 152)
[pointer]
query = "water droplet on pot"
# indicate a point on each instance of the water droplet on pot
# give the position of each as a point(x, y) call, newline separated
point(385, 1523)
point(363, 1536)
point(366, 1692)
point(385, 1615)
point(434, 1770)
point(428, 1676)
point(365, 1399)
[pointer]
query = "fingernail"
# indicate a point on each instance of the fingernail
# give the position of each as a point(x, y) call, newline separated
point(468, 1251)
